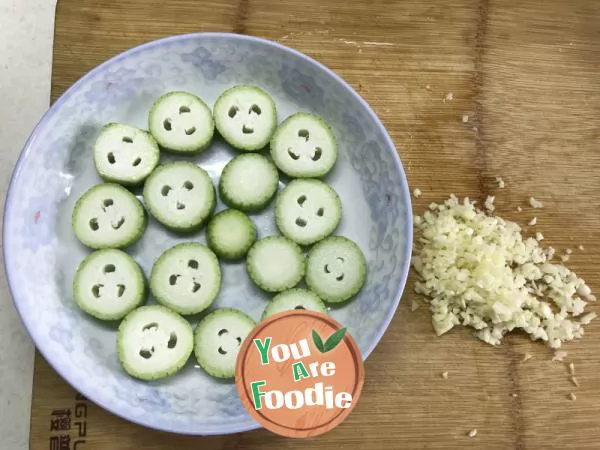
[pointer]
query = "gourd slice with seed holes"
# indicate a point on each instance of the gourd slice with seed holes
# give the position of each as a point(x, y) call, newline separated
point(246, 117)
point(307, 210)
point(154, 342)
point(275, 264)
point(180, 195)
point(300, 299)
point(108, 216)
point(248, 182)
point(125, 154)
point(186, 278)
point(109, 284)
point(218, 338)
point(336, 269)
point(181, 123)
point(304, 146)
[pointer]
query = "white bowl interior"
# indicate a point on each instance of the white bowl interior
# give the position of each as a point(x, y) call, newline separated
point(56, 167)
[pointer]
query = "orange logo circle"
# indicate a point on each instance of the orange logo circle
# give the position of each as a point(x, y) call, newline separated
point(299, 373)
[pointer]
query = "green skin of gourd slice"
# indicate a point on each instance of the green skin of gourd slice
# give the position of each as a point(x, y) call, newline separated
point(181, 123)
point(186, 278)
point(294, 299)
point(109, 284)
point(307, 211)
point(124, 154)
point(154, 342)
point(336, 269)
point(275, 264)
point(245, 117)
point(230, 234)
point(108, 216)
point(180, 195)
point(218, 338)
point(247, 170)
point(304, 146)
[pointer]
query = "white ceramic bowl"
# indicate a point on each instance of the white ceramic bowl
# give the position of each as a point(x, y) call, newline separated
point(56, 167)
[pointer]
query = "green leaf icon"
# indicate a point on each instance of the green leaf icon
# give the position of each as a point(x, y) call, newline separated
point(318, 341)
point(331, 342)
point(334, 340)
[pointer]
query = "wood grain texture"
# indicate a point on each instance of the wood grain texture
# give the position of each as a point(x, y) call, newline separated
point(526, 74)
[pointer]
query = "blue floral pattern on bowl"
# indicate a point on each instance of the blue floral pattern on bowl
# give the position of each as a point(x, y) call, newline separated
point(56, 167)
point(202, 59)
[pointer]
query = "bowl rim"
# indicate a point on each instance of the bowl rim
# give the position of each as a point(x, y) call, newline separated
point(405, 265)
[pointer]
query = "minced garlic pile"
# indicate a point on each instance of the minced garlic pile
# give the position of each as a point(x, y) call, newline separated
point(478, 270)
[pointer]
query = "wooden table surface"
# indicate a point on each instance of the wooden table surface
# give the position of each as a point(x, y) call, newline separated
point(526, 74)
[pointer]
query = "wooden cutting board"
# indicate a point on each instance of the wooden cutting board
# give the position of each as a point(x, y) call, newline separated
point(526, 75)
